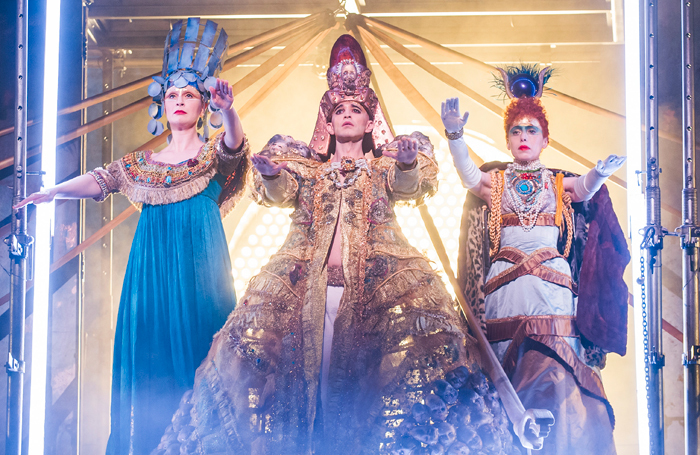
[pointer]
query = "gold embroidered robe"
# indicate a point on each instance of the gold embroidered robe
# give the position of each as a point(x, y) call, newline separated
point(397, 330)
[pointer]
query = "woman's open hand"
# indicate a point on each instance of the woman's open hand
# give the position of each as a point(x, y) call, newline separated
point(221, 95)
point(40, 197)
point(610, 165)
point(451, 117)
point(266, 166)
point(406, 153)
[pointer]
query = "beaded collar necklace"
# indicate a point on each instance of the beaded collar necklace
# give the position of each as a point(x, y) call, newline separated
point(525, 188)
point(528, 166)
point(347, 167)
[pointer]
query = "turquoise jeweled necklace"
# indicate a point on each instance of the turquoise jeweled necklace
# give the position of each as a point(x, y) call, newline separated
point(526, 185)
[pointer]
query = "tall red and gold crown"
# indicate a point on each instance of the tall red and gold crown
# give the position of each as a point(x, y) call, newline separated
point(348, 80)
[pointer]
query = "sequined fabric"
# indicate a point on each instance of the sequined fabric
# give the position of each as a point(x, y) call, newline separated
point(335, 276)
point(397, 337)
point(144, 180)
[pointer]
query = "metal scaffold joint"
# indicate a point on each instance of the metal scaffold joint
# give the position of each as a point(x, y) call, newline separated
point(653, 241)
point(693, 358)
point(14, 366)
point(656, 360)
point(20, 245)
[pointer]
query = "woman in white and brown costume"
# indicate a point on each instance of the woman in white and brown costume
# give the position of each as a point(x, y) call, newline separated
point(347, 341)
point(552, 305)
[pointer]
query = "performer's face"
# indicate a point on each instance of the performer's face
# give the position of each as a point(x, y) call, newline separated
point(525, 140)
point(183, 106)
point(349, 122)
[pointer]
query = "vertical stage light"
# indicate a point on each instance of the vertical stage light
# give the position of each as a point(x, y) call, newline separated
point(44, 234)
point(635, 200)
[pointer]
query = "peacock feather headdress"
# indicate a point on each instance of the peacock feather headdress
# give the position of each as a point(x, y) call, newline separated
point(526, 80)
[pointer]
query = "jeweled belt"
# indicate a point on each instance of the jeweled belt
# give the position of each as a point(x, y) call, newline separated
point(543, 219)
point(528, 264)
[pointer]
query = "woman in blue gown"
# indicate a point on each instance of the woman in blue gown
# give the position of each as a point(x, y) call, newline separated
point(178, 289)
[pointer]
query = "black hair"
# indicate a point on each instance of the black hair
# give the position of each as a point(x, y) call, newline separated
point(367, 145)
point(367, 141)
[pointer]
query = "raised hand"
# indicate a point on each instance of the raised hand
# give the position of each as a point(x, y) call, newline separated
point(40, 197)
point(610, 165)
point(221, 95)
point(451, 117)
point(407, 151)
point(266, 166)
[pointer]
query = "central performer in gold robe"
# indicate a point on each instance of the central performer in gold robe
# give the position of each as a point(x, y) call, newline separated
point(347, 341)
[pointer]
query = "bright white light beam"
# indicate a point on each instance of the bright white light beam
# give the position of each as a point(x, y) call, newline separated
point(635, 200)
point(44, 234)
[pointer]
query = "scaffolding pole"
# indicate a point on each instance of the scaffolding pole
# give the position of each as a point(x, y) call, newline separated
point(19, 243)
point(689, 243)
point(653, 240)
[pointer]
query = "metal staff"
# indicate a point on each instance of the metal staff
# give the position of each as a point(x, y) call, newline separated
point(19, 244)
point(530, 425)
point(689, 243)
point(653, 241)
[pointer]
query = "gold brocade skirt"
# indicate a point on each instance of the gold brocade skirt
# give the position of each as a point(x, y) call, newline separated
point(404, 377)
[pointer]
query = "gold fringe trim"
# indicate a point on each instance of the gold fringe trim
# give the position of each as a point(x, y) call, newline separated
point(138, 194)
point(229, 204)
point(559, 191)
point(243, 168)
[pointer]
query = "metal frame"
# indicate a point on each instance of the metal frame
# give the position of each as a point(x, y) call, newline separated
point(20, 245)
point(689, 233)
point(653, 241)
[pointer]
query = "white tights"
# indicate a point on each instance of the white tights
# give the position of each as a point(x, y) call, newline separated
point(333, 296)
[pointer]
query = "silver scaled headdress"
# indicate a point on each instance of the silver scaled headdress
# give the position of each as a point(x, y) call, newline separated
point(188, 61)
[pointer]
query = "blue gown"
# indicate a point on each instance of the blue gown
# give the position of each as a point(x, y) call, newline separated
point(178, 289)
point(177, 293)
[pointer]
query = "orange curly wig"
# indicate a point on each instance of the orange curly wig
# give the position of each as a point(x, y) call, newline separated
point(528, 107)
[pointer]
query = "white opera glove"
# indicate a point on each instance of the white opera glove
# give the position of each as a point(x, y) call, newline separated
point(468, 172)
point(454, 123)
point(587, 185)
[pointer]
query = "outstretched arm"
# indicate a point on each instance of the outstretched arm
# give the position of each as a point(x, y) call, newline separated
point(222, 98)
point(275, 185)
point(583, 188)
point(472, 178)
point(406, 179)
point(81, 187)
